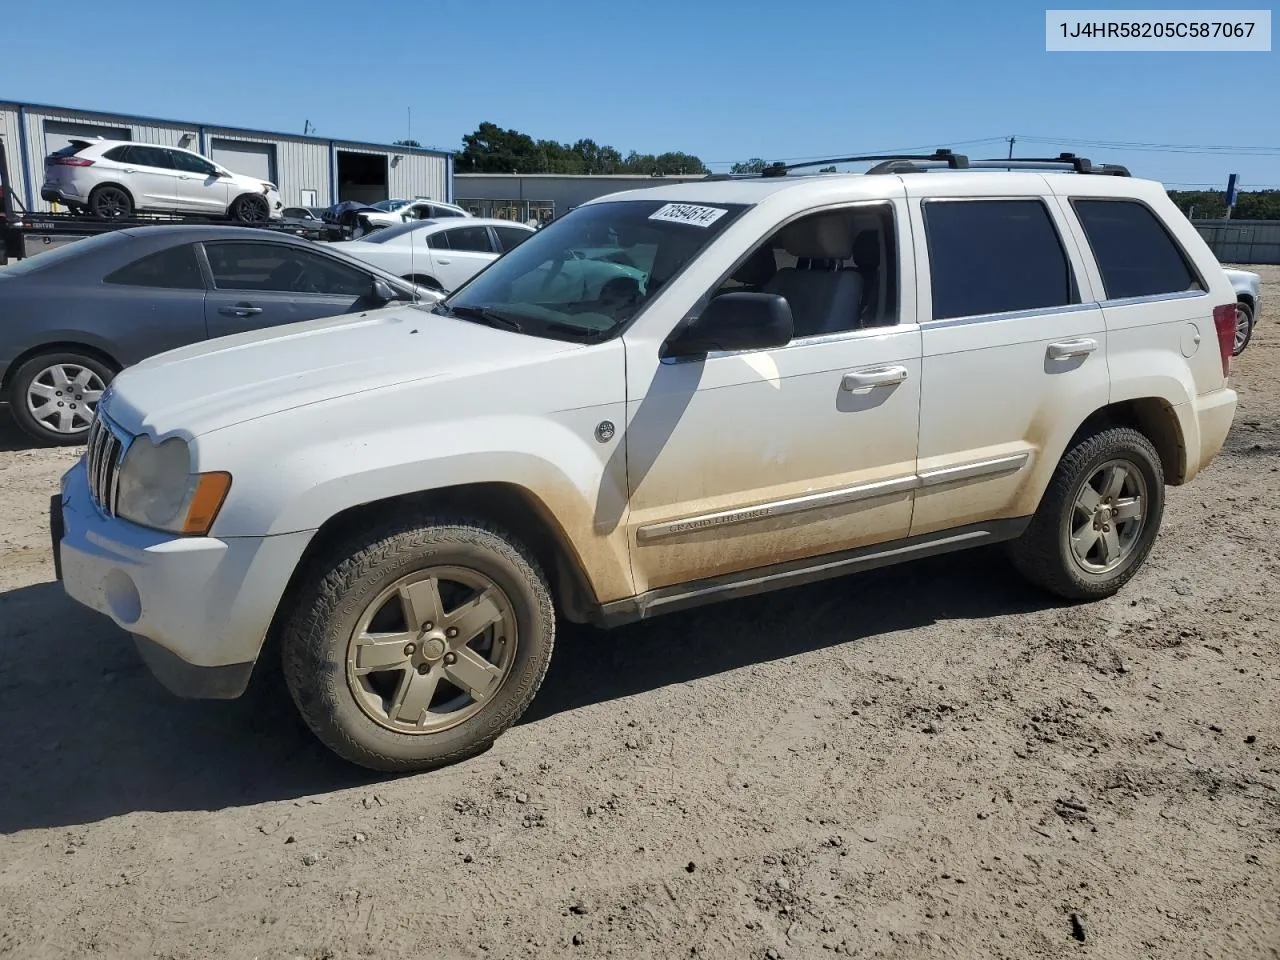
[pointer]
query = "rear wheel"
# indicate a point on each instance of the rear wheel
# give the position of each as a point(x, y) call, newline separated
point(1244, 327)
point(110, 202)
point(1098, 519)
point(415, 645)
point(250, 208)
point(54, 396)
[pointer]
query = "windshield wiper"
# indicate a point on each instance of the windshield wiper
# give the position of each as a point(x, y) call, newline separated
point(483, 315)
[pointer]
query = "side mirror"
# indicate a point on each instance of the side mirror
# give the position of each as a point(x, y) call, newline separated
point(382, 291)
point(736, 321)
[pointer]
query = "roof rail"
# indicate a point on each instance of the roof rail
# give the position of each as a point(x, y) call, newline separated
point(1064, 161)
point(955, 161)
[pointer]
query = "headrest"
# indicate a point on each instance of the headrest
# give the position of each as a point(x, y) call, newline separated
point(866, 249)
point(758, 269)
point(824, 237)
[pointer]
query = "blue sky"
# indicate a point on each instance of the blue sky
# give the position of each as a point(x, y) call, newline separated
point(725, 81)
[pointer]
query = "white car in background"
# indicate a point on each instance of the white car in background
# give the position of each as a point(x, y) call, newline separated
point(1248, 288)
point(113, 179)
point(391, 212)
point(438, 254)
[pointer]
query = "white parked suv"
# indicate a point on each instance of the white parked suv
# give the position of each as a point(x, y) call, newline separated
point(113, 179)
point(667, 397)
point(438, 254)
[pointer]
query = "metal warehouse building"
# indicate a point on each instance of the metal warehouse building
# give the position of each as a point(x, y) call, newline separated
point(310, 171)
point(524, 196)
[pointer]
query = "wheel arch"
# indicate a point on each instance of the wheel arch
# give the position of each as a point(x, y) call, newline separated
point(119, 186)
point(507, 505)
point(1153, 417)
point(56, 346)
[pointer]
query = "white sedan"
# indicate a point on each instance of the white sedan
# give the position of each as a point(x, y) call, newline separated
point(438, 254)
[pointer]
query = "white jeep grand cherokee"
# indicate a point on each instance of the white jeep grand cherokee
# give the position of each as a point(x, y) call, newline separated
point(667, 397)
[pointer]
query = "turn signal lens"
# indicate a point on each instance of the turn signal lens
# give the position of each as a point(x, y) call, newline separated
point(211, 491)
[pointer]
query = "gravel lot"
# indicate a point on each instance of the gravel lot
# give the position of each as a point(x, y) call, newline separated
point(929, 760)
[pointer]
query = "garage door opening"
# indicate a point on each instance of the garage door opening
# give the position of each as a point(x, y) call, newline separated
point(245, 157)
point(362, 177)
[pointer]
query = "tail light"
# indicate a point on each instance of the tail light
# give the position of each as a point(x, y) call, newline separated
point(1224, 321)
point(71, 162)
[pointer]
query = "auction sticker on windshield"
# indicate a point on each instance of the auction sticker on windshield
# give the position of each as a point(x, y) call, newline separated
point(689, 213)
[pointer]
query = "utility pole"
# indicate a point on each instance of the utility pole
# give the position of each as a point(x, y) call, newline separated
point(1011, 139)
point(410, 134)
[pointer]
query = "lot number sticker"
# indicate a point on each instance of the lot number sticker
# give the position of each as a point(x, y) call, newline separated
point(689, 213)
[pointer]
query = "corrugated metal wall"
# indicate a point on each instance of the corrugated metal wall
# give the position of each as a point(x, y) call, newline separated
point(12, 146)
point(300, 164)
point(1242, 241)
point(416, 175)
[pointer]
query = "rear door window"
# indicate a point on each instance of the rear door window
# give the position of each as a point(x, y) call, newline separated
point(145, 156)
point(511, 237)
point(473, 239)
point(995, 256)
point(1136, 255)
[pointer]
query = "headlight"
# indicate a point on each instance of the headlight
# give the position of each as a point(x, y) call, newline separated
point(157, 488)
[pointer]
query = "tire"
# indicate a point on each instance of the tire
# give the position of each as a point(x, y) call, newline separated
point(40, 379)
point(250, 208)
point(1244, 327)
point(1044, 554)
point(361, 716)
point(110, 202)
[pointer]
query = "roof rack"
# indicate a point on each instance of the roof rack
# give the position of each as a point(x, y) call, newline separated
point(919, 163)
point(1064, 161)
point(955, 161)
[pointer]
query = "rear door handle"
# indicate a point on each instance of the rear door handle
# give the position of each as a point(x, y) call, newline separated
point(877, 377)
point(240, 310)
point(439, 260)
point(1067, 349)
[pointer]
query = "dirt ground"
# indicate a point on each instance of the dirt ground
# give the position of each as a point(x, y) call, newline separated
point(929, 760)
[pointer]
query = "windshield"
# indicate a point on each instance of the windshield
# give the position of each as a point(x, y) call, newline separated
point(390, 206)
point(396, 230)
point(588, 273)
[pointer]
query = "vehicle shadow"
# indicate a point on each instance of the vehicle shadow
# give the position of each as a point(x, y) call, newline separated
point(89, 734)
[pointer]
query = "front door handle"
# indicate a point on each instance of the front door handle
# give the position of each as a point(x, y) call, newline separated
point(240, 310)
point(878, 377)
point(439, 260)
point(1067, 349)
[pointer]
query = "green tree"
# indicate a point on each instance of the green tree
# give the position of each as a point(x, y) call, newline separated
point(491, 149)
point(754, 165)
point(830, 169)
point(406, 143)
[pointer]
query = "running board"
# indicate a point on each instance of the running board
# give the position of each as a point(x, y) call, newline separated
point(799, 572)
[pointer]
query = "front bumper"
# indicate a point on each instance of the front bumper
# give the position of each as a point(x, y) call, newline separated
point(198, 607)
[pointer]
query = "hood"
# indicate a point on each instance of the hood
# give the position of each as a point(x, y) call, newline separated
point(204, 387)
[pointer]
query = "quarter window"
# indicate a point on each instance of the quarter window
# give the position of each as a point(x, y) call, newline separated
point(172, 269)
point(995, 256)
point(282, 268)
point(1135, 253)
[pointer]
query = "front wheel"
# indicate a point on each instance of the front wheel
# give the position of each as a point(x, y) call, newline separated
point(250, 208)
point(417, 645)
point(54, 396)
point(1098, 519)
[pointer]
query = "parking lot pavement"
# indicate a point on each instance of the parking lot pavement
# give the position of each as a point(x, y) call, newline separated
point(927, 760)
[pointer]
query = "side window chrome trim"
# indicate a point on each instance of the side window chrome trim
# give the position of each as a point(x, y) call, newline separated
point(1154, 298)
point(1009, 315)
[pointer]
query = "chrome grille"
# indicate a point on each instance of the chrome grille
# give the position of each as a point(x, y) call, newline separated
point(102, 463)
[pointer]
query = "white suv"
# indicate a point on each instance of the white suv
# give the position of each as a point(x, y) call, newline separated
point(113, 179)
point(667, 397)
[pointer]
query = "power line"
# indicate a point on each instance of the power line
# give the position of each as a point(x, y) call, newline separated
point(1203, 149)
point(862, 150)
